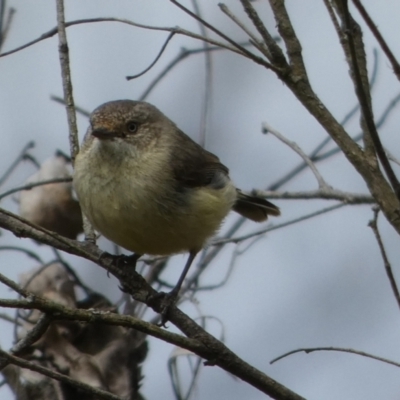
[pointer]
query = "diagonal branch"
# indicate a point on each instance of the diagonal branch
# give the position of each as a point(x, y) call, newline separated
point(275, 51)
point(373, 224)
point(323, 186)
point(375, 31)
point(20, 362)
point(365, 104)
point(243, 51)
point(135, 285)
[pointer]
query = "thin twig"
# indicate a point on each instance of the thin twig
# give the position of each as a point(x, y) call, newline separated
point(373, 224)
point(8, 318)
point(333, 18)
point(77, 280)
point(219, 242)
point(352, 351)
point(177, 30)
point(184, 53)
point(170, 36)
point(391, 157)
point(294, 146)
point(242, 50)
point(29, 253)
point(21, 156)
point(329, 194)
point(78, 109)
point(34, 334)
point(386, 113)
point(32, 185)
point(375, 31)
point(5, 22)
point(13, 285)
point(257, 42)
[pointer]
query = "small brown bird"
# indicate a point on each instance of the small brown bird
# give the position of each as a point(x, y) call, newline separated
point(149, 188)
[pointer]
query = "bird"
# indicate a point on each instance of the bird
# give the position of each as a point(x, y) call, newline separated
point(148, 187)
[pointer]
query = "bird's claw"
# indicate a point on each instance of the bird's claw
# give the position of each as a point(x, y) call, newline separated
point(122, 260)
point(167, 301)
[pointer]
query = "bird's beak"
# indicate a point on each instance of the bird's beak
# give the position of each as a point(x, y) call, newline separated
point(103, 134)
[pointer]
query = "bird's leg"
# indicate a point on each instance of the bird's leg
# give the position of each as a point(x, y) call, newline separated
point(170, 298)
point(175, 291)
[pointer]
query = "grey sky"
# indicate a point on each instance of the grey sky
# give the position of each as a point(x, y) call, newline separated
point(317, 283)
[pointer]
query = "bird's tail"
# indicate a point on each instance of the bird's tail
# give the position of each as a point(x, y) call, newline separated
point(254, 208)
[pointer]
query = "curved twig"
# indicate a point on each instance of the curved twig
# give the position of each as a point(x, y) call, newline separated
point(170, 36)
point(352, 351)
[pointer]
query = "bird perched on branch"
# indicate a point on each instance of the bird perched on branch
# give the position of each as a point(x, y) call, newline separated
point(148, 187)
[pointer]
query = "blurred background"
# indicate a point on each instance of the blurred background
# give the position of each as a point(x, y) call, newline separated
point(320, 282)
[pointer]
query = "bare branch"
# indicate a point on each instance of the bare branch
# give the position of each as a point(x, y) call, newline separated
point(32, 336)
point(177, 30)
point(21, 156)
point(58, 312)
point(326, 194)
point(373, 224)
point(365, 104)
point(29, 186)
point(66, 80)
point(276, 54)
point(294, 146)
point(184, 53)
point(292, 43)
point(242, 50)
point(7, 318)
point(219, 242)
point(134, 284)
point(375, 31)
point(29, 253)
point(255, 40)
point(352, 351)
point(391, 157)
point(12, 285)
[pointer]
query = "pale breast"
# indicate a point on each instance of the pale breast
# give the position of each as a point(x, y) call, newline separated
point(140, 209)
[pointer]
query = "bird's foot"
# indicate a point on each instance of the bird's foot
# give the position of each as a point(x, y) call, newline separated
point(167, 301)
point(122, 260)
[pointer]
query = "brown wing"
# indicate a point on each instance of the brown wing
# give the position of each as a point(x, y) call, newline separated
point(194, 167)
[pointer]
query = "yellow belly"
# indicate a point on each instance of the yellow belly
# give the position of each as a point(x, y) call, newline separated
point(136, 214)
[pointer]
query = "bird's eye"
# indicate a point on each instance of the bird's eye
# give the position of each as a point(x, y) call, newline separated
point(132, 126)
